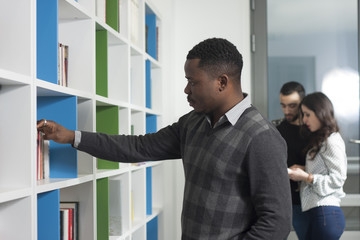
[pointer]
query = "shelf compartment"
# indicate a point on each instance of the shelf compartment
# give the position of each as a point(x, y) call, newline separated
point(137, 122)
point(119, 205)
point(83, 194)
point(153, 86)
point(151, 32)
point(157, 187)
point(77, 34)
point(61, 22)
point(85, 123)
point(15, 142)
point(137, 80)
point(138, 196)
point(136, 22)
point(16, 39)
point(118, 69)
point(48, 215)
point(15, 217)
point(112, 66)
point(107, 121)
point(63, 110)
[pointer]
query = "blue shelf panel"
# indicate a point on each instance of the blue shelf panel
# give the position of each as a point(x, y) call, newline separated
point(151, 123)
point(148, 83)
point(151, 34)
point(48, 214)
point(152, 229)
point(149, 190)
point(47, 40)
point(63, 110)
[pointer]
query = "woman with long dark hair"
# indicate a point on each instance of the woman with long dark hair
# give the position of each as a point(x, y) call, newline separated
point(324, 174)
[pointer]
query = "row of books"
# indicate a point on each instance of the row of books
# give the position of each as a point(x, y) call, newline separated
point(63, 55)
point(43, 157)
point(69, 213)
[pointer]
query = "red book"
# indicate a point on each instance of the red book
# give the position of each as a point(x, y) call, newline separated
point(71, 224)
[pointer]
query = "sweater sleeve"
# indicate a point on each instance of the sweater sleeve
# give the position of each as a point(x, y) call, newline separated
point(165, 144)
point(269, 187)
point(334, 156)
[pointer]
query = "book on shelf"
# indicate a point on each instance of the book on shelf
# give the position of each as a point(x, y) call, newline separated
point(63, 58)
point(69, 220)
point(43, 157)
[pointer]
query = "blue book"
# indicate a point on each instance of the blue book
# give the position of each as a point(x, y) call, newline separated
point(152, 229)
point(148, 190)
point(48, 214)
point(47, 40)
point(63, 157)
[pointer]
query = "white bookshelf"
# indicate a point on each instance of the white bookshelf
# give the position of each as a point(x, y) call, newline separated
point(28, 81)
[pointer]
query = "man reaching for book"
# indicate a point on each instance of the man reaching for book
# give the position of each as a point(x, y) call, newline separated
point(236, 181)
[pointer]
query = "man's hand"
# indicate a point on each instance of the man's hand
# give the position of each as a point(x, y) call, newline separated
point(55, 132)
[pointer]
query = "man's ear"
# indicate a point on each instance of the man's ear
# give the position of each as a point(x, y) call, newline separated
point(223, 82)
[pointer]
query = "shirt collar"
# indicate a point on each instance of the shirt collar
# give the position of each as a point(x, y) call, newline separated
point(234, 113)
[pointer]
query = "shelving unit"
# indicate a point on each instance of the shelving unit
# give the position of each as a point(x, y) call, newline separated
point(114, 86)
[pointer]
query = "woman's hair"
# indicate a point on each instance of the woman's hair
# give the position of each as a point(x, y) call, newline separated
point(321, 105)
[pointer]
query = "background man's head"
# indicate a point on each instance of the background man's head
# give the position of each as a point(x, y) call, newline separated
point(291, 94)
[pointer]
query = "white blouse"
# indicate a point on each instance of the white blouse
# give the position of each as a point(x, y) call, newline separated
point(329, 169)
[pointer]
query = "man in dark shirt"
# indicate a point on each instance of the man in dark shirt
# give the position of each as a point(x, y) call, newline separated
point(234, 159)
point(291, 95)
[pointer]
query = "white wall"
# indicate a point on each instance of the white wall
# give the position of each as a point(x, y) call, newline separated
point(184, 24)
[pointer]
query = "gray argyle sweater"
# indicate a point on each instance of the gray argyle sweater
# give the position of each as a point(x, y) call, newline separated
point(236, 182)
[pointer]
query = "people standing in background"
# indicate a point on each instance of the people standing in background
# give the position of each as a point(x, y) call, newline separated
point(324, 174)
point(291, 94)
point(234, 159)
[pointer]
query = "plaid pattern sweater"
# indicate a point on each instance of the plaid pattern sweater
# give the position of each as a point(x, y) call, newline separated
point(236, 182)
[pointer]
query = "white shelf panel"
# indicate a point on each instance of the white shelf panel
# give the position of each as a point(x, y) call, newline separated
point(45, 88)
point(110, 173)
point(70, 9)
point(13, 194)
point(50, 184)
point(104, 101)
point(11, 78)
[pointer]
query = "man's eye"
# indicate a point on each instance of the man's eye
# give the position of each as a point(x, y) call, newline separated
point(292, 105)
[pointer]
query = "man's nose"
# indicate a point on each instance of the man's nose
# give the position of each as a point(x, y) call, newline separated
point(187, 89)
point(286, 109)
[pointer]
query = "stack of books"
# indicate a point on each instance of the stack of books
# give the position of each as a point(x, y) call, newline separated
point(69, 220)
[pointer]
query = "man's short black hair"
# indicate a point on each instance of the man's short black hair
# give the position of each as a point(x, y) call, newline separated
point(218, 56)
point(290, 87)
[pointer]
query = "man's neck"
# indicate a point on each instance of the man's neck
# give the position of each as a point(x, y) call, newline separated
point(296, 122)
